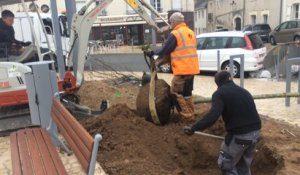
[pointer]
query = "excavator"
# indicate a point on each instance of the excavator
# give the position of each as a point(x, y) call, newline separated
point(12, 85)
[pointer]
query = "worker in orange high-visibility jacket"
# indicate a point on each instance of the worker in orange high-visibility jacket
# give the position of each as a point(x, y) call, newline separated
point(181, 46)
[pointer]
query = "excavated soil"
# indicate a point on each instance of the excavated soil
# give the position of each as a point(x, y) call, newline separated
point(132, 145)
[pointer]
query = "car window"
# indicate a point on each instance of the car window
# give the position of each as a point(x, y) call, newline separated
point(298, 24)
point(292, 25)
point(256, 41)
point(283, 26)
point(200, 42)
point(247, 28)
point(238, 42)
point(216, 42)
point(261, 27)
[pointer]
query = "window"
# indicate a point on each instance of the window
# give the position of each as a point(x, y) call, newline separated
point(199, 15)
point(216, 43)
point(200, 42)
point(292, 25)
point(256, 41)
point(283, 26)
point(196, 16)
point(265, 18)
point(253, 19)
point(199, 30)
point(157, 5)
point(202, 14)
point(238, 42)
point(295, 11)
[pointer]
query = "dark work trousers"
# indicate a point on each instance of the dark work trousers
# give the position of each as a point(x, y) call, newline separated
point(183, 85)
point(237, 152)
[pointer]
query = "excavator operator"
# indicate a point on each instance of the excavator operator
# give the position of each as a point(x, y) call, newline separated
point(181, 46)
point(7, 33)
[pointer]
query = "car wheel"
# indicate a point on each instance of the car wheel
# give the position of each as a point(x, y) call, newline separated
point(165, 68)
point(236, 68)
point(272, 40)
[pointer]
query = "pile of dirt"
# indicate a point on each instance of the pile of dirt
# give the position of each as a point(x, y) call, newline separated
point(131, 145)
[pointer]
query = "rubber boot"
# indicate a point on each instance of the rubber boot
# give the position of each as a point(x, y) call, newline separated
point(185, 112)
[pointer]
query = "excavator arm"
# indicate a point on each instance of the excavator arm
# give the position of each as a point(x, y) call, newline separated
point(81, 26)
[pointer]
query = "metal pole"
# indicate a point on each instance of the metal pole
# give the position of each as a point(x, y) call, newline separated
point(231, 66)
point(153, 32)
point(276, 66)
point(299, 84)
point(219, 60)
point(288, 82)
point(57, 35)
point(242, 71)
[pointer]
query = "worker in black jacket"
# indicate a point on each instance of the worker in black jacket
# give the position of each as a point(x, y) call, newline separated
point(242, 124)
point(7, 32)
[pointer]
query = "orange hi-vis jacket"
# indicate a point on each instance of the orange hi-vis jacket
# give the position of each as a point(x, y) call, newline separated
point(184, 58)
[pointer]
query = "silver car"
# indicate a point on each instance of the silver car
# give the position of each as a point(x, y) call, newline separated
point(286, 32)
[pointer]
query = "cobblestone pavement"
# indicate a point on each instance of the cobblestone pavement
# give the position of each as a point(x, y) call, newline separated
point(70, 162)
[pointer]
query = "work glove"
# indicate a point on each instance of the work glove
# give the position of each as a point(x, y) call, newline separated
point(149, 53)
point(188, 130)
point(24, 44)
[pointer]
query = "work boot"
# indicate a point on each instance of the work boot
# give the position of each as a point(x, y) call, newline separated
point(185, 112)
point(190, 105)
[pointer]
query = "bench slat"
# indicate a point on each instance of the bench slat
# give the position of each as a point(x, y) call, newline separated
point(53, 152)
point(47, 160)
point(16, 164)
point(70, 142)
point(81, 146)
point(37, 162)
point(77, 127)
point(24, 153)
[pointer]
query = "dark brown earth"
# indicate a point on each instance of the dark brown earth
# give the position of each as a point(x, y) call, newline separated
point(134, 146)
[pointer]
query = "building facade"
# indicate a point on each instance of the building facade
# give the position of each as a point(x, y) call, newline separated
point(200, 16)
point(290, 9)
point(225, 14)
point(267, 11)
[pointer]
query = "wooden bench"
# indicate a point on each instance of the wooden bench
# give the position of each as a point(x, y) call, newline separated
point(33, 150)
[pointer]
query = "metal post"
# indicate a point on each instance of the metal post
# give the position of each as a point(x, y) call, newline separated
point(57, 35)
point(276, 58)
point(219, 60)
point(153, 32)
point(288, 80)
point(298, 84)
point(242, 63)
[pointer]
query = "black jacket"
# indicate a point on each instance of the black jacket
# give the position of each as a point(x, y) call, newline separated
point(237, 108)
point(7, 35)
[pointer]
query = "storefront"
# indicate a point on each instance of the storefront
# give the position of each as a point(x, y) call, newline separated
point(127, 29)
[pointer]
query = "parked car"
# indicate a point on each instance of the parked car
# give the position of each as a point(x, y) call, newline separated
point(228, 43)
point(285, 32)
point(263, 30)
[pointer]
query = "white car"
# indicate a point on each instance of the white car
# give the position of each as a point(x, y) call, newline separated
point(229, 43)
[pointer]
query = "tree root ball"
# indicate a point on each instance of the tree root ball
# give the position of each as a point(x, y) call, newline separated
point(162, 101)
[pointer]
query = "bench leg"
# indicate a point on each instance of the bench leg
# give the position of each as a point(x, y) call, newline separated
point(61, 144)
point(93, 160)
